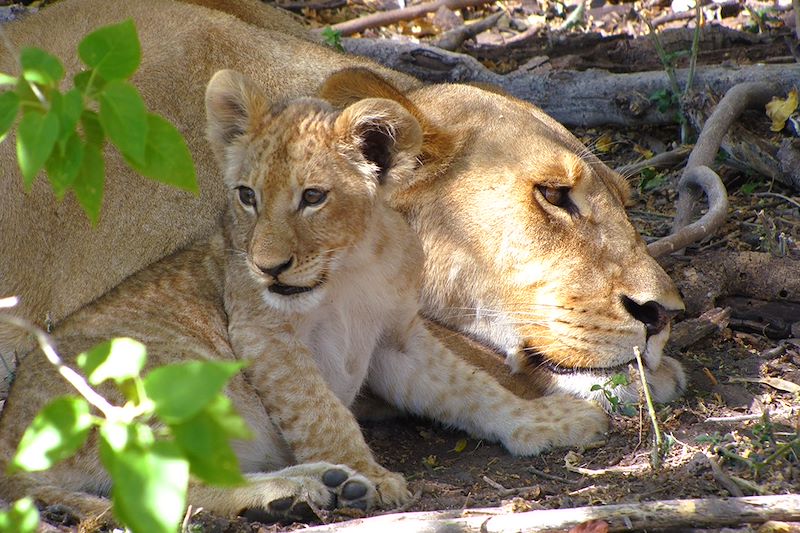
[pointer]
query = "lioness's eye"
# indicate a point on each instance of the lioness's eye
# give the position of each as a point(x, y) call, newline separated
point(313, 197)
point(558, 196)
point(247, 196)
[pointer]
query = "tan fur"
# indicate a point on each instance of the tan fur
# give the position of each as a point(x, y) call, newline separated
point(502, 265)
point(310, 352)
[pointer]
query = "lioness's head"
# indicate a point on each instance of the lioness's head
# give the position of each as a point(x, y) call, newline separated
point(528, 246)
point(304, 181)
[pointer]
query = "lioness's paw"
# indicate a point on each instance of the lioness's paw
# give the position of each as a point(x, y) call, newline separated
point(668, 381)
point(307, 487)
point(554, 421)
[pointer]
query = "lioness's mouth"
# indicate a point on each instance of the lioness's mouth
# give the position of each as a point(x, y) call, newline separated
point(290, 290)
point(537, 359)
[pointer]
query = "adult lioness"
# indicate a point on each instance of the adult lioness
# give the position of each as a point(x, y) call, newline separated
point(528, 246)
point(314, 281)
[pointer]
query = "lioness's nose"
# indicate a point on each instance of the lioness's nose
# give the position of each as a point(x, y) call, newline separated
point(276, 270)
point(652, 314)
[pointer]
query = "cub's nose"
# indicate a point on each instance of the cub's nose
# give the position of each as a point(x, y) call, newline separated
point(276, 270)
point(652, 314)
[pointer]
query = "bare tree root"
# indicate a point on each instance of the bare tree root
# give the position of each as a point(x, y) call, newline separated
point(698, 178)
point(385, 18)
point(667, 514)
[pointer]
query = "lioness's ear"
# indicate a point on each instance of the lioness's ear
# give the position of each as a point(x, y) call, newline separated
point(381, 138)
point(350, 85)
point(233, 103)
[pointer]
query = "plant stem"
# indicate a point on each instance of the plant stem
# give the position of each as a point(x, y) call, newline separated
point(651, 410)
point(76, 380)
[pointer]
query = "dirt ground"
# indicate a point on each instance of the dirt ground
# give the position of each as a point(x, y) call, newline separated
point(742, 406)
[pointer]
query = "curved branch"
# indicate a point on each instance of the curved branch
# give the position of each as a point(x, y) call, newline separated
point(698, 178)
point(737, 99)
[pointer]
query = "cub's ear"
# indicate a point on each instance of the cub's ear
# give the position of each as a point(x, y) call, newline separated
point(233, 104)
point(381, 138)
point(347, 86)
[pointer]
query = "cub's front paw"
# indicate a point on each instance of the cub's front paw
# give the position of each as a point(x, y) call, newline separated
point(553, 421)
point(294, 493)
point(392, 488)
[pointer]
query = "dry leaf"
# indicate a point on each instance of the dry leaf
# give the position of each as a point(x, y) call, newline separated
point(604, 143)
point(780, 110)
point(592, 526)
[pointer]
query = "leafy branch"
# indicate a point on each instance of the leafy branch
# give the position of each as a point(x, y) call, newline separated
point(64, 132)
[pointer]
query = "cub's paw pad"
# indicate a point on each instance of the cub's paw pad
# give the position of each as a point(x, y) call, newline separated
point(354, 490)
point(334, 477)
point(286, 509)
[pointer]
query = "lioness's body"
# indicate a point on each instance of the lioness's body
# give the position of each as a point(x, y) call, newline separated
point(320, 296)
point(572, 286)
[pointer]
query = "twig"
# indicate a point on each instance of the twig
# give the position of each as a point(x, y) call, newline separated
point(723, 478)
point(733, 419)
point(492, 483)
point(396, 15)
point(551, 477)
point(454, 38)
point(74, 379)
point(671, 158)
point(777, 195)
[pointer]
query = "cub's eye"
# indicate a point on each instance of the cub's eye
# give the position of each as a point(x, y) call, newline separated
point(247, 196)
point(558, 196)
point(313, 197)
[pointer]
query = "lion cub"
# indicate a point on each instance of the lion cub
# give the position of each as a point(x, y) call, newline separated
point(314, 281)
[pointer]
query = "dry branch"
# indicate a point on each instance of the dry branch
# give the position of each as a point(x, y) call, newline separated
point(576, 99)
point(454, 38)
point(384, 18)
point(668, 514)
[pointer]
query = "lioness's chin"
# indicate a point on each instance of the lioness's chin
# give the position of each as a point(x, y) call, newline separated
point(289, 299)
point(665, 377)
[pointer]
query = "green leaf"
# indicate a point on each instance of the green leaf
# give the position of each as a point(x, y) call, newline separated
point(205, 445)
point(118, 359)
point(56, 433)
point(9, 106)
point(88, 184)
point(182, 390)
point(40, 67)
point(88, 82)
point(22, 517)
point(7, 79)
point(92, 128)
point(36, 137)
point(64, 164)
point(124, 119)
point(221, 409)
point(69, 109)
point(168, 159)
point(150, 480)
point(113, 51)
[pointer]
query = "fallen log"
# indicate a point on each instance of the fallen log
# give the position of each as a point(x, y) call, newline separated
point(667, 514)
point(576, 99)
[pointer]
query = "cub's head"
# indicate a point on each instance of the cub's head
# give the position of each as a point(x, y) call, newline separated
point(305, 181)
point(528, 246)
